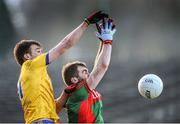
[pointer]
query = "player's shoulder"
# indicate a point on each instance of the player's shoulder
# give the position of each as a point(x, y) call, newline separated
point(36, 62)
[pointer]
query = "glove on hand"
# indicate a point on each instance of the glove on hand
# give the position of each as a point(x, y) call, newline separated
point(95, 17)
point(106, 31)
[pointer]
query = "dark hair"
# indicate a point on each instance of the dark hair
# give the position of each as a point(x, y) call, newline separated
point(22, 48)
point(70, 70)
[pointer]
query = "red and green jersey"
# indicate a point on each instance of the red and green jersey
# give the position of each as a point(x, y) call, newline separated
point(85, 106)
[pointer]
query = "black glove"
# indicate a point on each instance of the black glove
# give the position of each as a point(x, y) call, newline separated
point(95, 17)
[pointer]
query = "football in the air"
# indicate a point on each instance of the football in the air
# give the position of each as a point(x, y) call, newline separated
point(150, 86)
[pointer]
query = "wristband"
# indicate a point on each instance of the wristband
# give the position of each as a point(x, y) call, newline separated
point(108, 42)
point(87, 21)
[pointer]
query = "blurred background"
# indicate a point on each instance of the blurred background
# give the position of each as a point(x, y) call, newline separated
point(146, 41)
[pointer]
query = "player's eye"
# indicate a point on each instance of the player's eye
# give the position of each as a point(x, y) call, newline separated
point(38, 50)
point(85, 71)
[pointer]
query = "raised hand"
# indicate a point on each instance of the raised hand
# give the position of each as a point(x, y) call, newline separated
point(95, 17)
point(106, 30)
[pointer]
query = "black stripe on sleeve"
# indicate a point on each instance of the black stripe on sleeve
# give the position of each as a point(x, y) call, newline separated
point(47, 58)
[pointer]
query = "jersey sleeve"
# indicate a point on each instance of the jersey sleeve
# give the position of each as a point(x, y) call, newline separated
point(40, 61)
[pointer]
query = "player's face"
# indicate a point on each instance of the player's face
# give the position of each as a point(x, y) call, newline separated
point(83, 72)
point(35, 51)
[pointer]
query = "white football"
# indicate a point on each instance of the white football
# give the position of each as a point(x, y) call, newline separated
point(150, 86)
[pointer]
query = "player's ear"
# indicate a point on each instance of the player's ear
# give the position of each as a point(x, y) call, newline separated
point(27, 56)
point(74, 80)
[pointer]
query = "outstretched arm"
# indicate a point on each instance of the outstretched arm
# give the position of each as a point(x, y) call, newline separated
point(101, 66)
point(66, 43)
point(98, 54)
point(73, 37)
